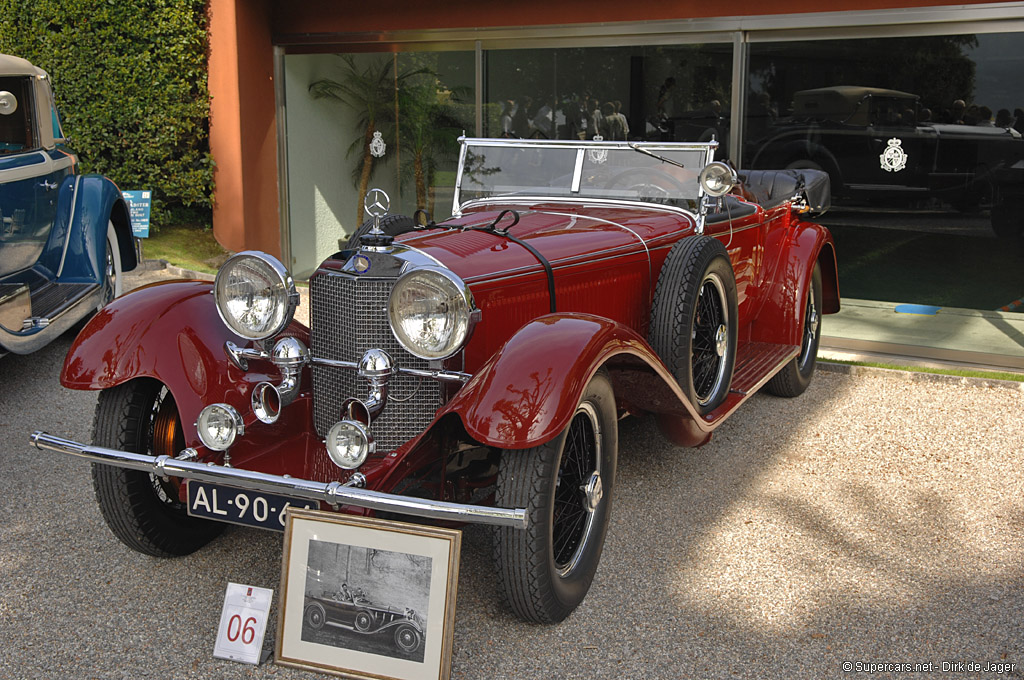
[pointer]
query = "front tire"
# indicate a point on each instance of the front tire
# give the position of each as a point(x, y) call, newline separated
point(795, 377)
point(407, 638)
point(566, 486)
point(142, 510)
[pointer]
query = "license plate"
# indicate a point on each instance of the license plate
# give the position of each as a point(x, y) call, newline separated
point(239, 506)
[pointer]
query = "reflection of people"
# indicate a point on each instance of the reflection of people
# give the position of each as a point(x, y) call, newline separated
point(520, 119)
point(612, 125)
point(622, 119)
point(984, 116)
point(507, 109)
point(544, 121)
point(956, 114)
point(594, 114)
point(569, 118)
point(664, 107)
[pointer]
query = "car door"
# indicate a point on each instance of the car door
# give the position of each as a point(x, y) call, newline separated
point(743, 237)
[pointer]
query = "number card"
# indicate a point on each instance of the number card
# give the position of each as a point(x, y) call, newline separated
point(243, 623)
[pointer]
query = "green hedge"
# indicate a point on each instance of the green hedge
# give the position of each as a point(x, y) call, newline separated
point(129, 78)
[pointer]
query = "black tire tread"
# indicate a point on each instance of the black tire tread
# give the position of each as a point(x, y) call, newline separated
point(522, 576)
point(126, 498)
point(521, 556)
point(674, 298)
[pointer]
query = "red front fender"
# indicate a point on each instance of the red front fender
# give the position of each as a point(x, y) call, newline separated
point(527, 392)
point(171, 332)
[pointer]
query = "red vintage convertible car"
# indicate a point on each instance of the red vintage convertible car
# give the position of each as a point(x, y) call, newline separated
point(469, 370)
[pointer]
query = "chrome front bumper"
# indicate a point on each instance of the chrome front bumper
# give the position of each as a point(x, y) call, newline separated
point(333, 493)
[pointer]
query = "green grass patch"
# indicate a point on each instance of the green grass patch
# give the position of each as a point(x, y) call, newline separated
point(188, 247)
point(960, 373)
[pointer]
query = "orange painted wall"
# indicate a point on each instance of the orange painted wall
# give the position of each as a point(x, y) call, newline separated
point(243, 136)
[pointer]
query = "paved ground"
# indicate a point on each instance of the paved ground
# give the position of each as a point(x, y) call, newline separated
point(877, 519)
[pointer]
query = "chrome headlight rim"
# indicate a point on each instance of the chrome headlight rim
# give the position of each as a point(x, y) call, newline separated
point(235, 421)
point(282, 283)
point(366, 446)
point(462, 292)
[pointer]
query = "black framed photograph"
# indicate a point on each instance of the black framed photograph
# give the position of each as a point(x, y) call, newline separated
point(367, 598)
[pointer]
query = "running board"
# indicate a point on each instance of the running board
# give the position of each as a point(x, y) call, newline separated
point(52, 300)
point(757, 362)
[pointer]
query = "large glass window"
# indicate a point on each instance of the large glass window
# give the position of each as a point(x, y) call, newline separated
point(920, 137)
point(655, 93)
point(357, 121)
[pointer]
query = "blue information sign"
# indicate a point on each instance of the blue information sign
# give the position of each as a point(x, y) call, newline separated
point(139, 204)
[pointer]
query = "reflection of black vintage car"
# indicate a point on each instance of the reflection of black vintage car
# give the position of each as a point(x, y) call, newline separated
point(354, 612)
point(874, 144)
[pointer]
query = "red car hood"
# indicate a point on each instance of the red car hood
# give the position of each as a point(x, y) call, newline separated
point(560, 232)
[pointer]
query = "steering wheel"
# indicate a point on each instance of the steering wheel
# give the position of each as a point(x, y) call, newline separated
point(652, 186)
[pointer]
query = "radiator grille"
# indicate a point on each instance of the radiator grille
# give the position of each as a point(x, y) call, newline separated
point(349, 316)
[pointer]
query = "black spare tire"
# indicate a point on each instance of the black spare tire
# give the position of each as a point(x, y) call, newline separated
point(694, 319)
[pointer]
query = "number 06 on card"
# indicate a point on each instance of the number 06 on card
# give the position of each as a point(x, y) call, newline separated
point(243, 623)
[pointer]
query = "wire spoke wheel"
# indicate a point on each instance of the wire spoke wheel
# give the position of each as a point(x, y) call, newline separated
point(566, 487)
point(572, 522)
point(710, 327)
point(811, 324)
point(407, 638)
point(794, 378)
point(694, 319)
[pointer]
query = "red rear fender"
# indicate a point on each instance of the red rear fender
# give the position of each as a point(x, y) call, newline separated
point(780, 319)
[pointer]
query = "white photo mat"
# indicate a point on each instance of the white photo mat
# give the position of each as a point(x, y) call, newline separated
point(437, 548)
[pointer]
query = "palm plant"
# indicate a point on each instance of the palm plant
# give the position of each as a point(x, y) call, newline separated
point(429, 125)
point(371, 91)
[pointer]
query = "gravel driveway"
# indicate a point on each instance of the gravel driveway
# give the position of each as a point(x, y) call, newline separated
point(878, 519)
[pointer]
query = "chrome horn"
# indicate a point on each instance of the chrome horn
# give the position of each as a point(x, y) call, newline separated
point(289, 355)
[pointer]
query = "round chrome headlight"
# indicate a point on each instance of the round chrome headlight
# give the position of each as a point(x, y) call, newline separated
point(431, 312)
point(717, 179)
point(348, 444)
point(255, 295)
point(219, 425)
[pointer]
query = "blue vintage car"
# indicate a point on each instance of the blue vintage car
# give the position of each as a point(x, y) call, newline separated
point(65, 237)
